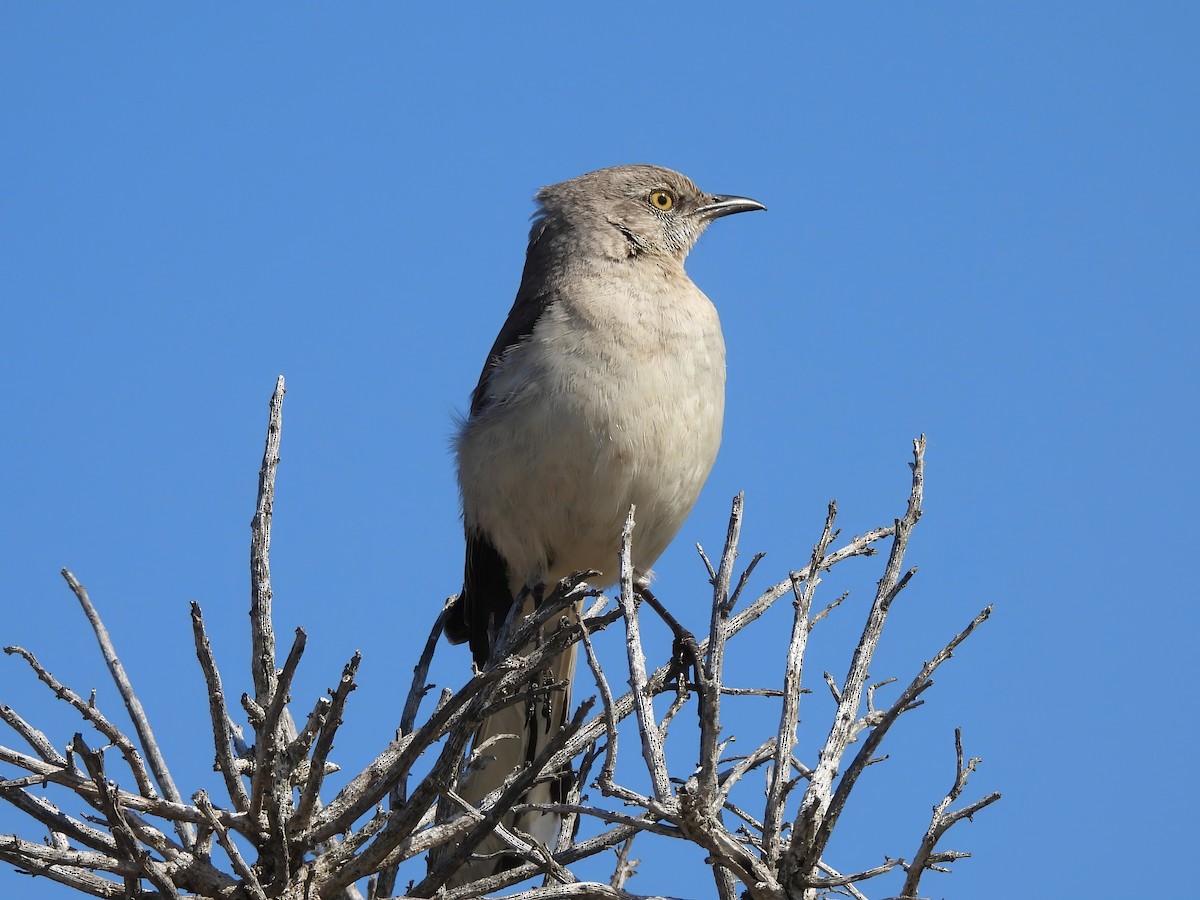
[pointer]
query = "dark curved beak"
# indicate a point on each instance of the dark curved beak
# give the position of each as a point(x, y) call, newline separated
point(726, 205)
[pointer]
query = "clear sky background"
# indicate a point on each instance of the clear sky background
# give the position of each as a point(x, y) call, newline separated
point(983, 226)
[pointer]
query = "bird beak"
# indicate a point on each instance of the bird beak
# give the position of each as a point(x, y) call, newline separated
point(726, 205)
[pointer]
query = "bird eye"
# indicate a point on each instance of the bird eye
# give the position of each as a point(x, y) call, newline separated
point(663, 200)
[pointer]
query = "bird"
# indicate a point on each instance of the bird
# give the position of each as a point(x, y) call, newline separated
point(604, 389)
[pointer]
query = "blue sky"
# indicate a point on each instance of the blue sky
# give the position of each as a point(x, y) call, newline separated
point(983, 226)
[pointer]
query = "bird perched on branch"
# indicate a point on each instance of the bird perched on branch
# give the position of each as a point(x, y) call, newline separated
point(605, 388)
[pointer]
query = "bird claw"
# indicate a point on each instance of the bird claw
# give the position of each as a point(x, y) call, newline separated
point(685, 661)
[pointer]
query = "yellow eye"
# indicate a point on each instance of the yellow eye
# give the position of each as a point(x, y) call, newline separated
point(662, 200)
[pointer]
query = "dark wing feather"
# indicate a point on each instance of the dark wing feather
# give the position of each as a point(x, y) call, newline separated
point(531, 301)
point(485, 599)
point(519, 325)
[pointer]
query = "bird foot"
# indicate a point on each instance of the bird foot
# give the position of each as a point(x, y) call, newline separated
point(685, 651)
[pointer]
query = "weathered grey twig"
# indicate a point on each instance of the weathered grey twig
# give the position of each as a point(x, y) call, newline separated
point(582, 890)
point(267, 800)
point(807, 845)
point(774, 814)
point(751, 761)
point(652, 747)
point(840, 880)
point(333, 719)
point(860, 545)
point(141, 722)
point(299, 746)
point(503, 673)
point(906, 700)
point(848, 888)
point(262, 633)
point(283, 685)
point(385, 883)
point(401, 824)
point(218, 712)
point(606, 840)
point(129, 847)
point(96, 718)
point(644, 822)
point(58, 822)
point(605, 780)
point(657, 681)
point(72, 868)
point(743, 579)
point(245, 872)
point(419, 688)
point(625, 867)
point(943, 819)
point(68, 777)
point(714, 659)
point(35, 738)
point(270, 787)
point(510, 793)
point(829, 607)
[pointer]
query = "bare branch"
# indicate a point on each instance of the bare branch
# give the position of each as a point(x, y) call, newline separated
point(849, 888)
point(141, 723)
point(943, 819)
point(244, 871)
point(35, 738)
point(606, 840)
point(128, 846)
point(906, 701)
point(49, 815)
point(581, 890)
point(625, 867)
point(861, 545)
point(262, 630)
point(808, 831)
point(460, 713)
point(218, 713)
point(67, 867)
point(785, 738)
point(514, 789)
point(419, 688)
point(742, 580)
point(843, 880)
point(708, 566)
point(605, 779)
point(834, 604)
point(385, 883)
point(70, 778)
point(97, 719)
point(714, 660)
point(333, 719)
point(646, 822)
point(652, 747)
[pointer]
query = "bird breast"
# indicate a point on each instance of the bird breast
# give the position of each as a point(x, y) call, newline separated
point(613, 399)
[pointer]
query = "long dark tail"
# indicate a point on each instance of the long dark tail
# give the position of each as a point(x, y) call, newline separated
point(520, 731)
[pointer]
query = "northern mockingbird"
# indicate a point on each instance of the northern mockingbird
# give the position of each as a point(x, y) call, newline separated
point(604, 388)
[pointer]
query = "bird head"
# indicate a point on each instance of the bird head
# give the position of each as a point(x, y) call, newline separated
point(636, 210)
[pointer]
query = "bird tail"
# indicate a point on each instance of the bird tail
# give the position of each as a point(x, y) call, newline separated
point(511, 738)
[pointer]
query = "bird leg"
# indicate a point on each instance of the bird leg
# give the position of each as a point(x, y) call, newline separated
point(685, 651)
